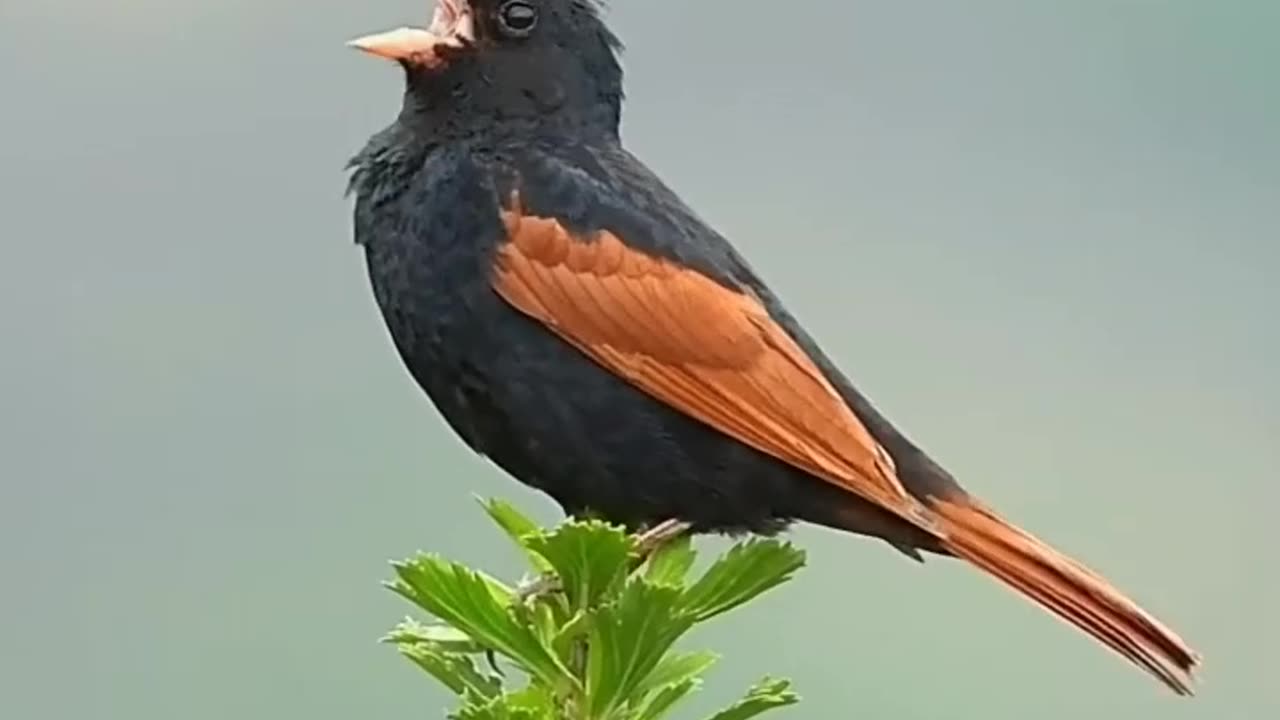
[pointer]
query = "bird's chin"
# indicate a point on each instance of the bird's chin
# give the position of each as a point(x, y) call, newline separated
point(452, 28)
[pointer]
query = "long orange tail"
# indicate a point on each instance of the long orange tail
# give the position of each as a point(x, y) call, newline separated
point(1067, 589)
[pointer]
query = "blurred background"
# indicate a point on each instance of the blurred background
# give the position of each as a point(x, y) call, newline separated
point(1044, 237)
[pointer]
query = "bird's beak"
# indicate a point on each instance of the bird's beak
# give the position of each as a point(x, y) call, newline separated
point(452, 26)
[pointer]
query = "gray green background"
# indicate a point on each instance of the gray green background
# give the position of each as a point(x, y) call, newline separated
point(1044, 236)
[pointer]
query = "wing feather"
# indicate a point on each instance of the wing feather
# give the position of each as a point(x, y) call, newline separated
point(709, 351)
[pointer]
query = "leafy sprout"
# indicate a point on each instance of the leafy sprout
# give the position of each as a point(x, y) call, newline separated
point(599, 641)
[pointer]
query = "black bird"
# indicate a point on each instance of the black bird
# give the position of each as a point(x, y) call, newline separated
point(574, 321)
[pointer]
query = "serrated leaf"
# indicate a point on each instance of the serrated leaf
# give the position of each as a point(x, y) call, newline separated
point(534, 699)
point(542, 619)
point(762, 697)
point(507, 707)
point(747, 570)
point(661, 701)
point(671, 562)
point(481, 608)
point(410, 631)
point(519, 527)
point(676, 669)
point(531, 703)
point(589, 556)
point(628, 638)
point(568, 636)
point(457, 672)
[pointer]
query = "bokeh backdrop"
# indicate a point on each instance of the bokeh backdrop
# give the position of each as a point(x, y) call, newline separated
point(1044, 236)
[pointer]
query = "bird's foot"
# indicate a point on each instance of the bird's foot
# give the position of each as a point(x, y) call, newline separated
point(536, 587)
point(650, 540)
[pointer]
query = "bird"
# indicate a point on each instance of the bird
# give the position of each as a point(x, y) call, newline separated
point(574, 321)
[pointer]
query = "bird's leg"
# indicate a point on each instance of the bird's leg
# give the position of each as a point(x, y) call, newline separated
point(535, 587)
point(648, 541)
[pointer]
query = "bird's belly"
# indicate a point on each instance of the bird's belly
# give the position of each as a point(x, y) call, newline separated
point(595, 442)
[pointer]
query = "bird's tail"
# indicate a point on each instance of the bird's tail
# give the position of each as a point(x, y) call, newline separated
point(1067, 589)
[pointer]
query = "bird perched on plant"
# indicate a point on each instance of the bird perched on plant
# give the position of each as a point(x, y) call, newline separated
point(574, 321)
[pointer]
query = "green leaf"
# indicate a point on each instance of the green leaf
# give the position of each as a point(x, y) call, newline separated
point(569, 635)
point(535, 700)
point(671, 562)
point(457, 672)
point(590, 557)
point(531, 703)
point(762, 697)
point(519, 527)
point(747, 570)
point(542, 619)
point(410, 631)
point(676, 669)
point(627, 639)
point(481, 608)
point(659, 703)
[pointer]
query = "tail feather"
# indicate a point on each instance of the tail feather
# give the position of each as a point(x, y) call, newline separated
point(1067, 589)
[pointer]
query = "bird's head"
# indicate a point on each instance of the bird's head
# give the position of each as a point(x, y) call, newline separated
point(521, 60)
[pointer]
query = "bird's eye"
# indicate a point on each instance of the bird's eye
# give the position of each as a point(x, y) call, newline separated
point(517, 18)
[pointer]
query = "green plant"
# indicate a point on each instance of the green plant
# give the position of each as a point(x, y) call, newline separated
point(598, 647)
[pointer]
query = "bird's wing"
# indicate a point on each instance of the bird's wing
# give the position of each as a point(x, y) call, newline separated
point(706, 349)
point(590, 257)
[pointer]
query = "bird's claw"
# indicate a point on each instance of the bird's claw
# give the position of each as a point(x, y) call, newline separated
point(536, 587)
point(650, 540)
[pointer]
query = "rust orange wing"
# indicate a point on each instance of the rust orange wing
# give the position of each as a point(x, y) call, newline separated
point(709, 351)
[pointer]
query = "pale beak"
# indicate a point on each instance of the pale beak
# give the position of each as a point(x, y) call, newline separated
point(452, 26)
point(406, 43)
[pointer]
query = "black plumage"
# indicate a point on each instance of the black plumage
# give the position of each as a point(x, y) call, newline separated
point(509, 235)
